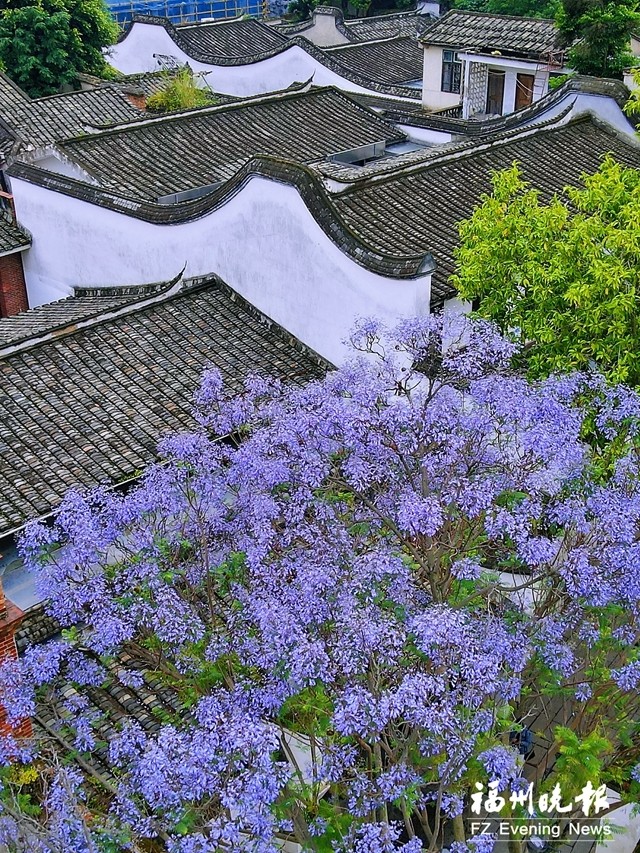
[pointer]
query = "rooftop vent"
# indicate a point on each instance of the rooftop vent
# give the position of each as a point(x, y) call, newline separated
point(187, 195)
point(361, 155)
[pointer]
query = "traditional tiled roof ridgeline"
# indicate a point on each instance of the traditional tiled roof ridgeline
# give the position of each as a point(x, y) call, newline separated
point(165, 155)
point(483, 32)
point(395, 60)
point(384, 26)
point(54, 318)
point(196, 47)
point(229, 38)
point(90, 405)
point(362, 29)
point(420, 208)
point(306, 181)
point(488, 126)
point(394, 221)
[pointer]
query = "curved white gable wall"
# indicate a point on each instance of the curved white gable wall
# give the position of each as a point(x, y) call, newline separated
point(294, 65)
point(263, 242)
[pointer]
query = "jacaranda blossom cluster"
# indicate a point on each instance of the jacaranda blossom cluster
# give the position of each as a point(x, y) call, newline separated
point(359, 591)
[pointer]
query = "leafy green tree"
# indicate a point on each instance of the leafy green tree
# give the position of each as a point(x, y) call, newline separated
point(524, 8)
point(300, 10)
point(44, 44)
point(92, 20)
point(598, 33)
point(562, 277)
point(35, 47)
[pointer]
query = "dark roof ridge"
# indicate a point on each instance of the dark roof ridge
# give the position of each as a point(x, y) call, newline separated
point(302, 26)
point(412, 159)
point(140, 297)
point(405, 13)
point(305, 180)
point(355, 44)
point(253, 100)
point(479, 14)
point(335, 65)
point(200, 55)
point(578, 84)
point(217, 22)
point(477, 146)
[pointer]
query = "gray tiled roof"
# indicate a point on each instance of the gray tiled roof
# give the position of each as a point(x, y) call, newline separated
point(12, 236)
point(420, 210)
point(41, 121)
point(229, 38)
point(55, 317)
point(385, 26)
point(361, 29)
point(11, 95)
point(395, 60)
point(90, 406)
point(171, 154)
point(396, 214)
point(148, 82)
point(484, 32)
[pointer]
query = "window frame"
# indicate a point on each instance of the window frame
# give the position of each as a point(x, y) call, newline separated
point(451, 73)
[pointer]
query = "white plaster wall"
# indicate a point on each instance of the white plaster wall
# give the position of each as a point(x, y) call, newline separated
point(263, 242)
point(294, 65)
point(429, 7)
point(324, 32)
point(63, 167)
point(628, 820)
point(510, 79)
point(605, 108)
point(432, 97)
point(425, 135)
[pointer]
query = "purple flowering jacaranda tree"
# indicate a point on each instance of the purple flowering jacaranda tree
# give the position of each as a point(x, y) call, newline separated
point(368, 597)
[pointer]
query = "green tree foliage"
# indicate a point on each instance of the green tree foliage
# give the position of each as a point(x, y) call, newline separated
point(180, 93)
point(563, 276)
point(599, 31)
point(632, 107)
point(523, 8)
point(301, 10)
point(45, 44)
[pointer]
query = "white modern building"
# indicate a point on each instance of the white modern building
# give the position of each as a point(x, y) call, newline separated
point(477, 64)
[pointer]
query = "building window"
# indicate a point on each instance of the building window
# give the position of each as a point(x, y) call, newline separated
point(451, 72)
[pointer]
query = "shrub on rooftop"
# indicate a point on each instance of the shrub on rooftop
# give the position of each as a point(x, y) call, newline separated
point(180, 92)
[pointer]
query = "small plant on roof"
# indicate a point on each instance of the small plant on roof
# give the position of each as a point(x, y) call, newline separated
point(180, 93)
